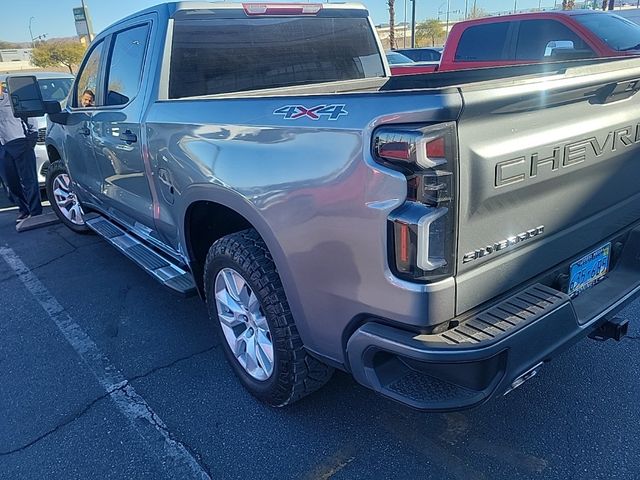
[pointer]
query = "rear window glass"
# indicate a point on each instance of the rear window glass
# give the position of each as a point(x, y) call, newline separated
point(619, 33)
point(483, 43)
point(211, 56)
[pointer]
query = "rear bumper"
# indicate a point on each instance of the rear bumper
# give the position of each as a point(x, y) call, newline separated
point(484, 354)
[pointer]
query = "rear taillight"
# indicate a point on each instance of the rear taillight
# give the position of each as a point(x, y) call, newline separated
point(422, 230)
point(282, 8)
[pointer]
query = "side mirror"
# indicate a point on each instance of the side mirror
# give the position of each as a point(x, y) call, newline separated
point(556, 45)
point(26, 98)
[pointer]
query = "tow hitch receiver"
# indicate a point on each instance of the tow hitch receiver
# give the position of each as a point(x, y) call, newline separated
point(615, 328)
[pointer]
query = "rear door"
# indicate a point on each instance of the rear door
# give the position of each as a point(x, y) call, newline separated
point(117, 132)
point(552, 165)
point(547, 40)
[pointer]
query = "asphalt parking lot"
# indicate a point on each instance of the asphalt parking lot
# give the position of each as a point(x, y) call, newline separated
point(105, 374)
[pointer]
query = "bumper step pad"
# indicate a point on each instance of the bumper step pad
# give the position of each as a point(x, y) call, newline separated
point(159, 267)
point(514, 312)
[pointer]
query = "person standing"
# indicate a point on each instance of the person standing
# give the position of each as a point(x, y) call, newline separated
point(18, 160)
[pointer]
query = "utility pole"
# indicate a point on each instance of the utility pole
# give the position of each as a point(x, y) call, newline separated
point(413, 23)
point(404, 27)
point(515, 5)
point(446, 31)
point(466, 8)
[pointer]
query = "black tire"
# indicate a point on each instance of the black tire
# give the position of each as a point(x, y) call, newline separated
point(55, 169)
point(295, 372)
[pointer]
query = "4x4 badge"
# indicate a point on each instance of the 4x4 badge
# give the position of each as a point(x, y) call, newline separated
point(294, 112)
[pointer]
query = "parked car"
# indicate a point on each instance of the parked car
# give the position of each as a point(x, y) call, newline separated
point(538, 37)
point(441, 237)
point(425, 54)
point(402, 65)
point(54, 86)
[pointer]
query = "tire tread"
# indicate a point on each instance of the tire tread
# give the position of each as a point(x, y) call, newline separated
point(299, 374)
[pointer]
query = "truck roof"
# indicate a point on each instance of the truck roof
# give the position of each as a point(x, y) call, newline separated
point(529, 15)
point(174, 9)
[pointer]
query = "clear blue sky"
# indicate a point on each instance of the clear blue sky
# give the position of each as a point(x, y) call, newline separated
point(55, 17)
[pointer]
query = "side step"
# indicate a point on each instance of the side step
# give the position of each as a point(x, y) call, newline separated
point(156, 265)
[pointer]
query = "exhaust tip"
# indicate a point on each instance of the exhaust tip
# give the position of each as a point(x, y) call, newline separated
point(528, 375)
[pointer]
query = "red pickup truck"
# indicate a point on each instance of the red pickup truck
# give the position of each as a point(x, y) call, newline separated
point(538, 37)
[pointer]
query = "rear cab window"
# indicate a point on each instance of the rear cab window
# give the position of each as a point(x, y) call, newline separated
point(483, 43)
point(213, 55)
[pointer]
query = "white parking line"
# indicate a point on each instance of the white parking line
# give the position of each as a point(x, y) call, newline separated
point(176, 459)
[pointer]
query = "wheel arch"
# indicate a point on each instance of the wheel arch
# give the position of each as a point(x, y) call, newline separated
point(53, 153)
point(212, 212)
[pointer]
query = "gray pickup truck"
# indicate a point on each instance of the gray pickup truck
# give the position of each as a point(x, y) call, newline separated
point(438, 236)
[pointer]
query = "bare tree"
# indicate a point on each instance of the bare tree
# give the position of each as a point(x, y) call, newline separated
point(392, 23)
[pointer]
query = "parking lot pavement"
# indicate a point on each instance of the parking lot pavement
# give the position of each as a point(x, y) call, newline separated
point(577, 419)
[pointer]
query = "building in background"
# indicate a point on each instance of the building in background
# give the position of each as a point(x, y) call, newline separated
point(15, 59)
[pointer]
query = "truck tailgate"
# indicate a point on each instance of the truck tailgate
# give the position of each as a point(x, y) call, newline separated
point(548, 169)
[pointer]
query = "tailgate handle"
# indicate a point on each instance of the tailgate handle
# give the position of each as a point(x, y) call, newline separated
point(614, 92)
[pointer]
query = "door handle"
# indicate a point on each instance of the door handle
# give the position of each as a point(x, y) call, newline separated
point(84, 131)
point(128, 136)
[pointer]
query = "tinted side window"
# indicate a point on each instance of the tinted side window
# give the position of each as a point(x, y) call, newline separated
point(88, 79)
point(483, 43)
point(212, 55)
point(125, 66)
point(429, 56)
point(538, 39)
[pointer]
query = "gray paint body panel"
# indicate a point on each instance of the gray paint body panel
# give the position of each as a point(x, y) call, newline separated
point(312, 191)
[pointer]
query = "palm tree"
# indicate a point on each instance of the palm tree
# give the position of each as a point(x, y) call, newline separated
point(392, 24)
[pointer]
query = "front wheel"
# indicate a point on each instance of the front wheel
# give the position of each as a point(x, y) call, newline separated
point(248, 306)
point(63, 200)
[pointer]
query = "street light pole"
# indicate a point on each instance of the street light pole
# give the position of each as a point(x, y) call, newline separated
point(413, 23)
point(404, 27)
point(446, 31)
point(30, 31)
point(515, 5)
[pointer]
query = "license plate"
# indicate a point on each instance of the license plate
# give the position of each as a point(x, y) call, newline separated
point(589, 270)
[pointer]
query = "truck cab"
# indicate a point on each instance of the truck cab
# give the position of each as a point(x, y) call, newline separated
point(538, 37)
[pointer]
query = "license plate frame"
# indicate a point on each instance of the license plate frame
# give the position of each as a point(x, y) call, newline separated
point(589, 270)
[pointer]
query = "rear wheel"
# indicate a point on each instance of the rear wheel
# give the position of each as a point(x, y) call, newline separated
point(247, 303)
point(63, 200)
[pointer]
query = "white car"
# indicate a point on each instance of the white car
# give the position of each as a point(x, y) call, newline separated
point(54, 86)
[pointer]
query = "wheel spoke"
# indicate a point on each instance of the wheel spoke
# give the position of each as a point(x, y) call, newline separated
point(231, 280)
point(261, 322)
point(230, 304)
point(63, 194)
